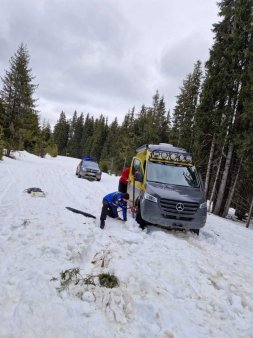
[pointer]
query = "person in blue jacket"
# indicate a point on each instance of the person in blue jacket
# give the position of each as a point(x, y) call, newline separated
point(111, 203)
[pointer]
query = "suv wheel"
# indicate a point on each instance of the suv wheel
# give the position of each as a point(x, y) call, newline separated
point(195, 231)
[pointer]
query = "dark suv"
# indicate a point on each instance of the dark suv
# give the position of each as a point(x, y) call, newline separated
point(89, 168)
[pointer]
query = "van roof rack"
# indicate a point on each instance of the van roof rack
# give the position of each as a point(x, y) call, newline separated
point(141, 148)
point(160, 146)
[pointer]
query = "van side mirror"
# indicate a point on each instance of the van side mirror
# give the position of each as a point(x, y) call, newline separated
point(138, 177)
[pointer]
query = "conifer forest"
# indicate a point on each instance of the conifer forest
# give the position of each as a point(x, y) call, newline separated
point(212, 117)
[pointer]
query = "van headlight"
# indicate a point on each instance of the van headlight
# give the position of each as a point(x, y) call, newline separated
point(150, 197)
point(203, 205)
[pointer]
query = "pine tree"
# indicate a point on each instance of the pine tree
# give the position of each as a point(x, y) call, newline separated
point(142, 126)
point(75, 138)
point(99, 137)
point(87, 139)
point(1, 130)
point(160, 117)
point(128, 138)
point(183, 131)
point(72, 125)
point(1, 141)
point(61, 134)
point(20, 120)
point(1, 112)
point(45, 141)
point(152, 123)
point(224, 99)
point(111, 151)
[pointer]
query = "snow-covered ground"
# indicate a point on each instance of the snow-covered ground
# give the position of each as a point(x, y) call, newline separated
point(171, 284)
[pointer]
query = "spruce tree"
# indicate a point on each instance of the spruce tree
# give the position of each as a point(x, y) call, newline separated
point(72, 126)
point(152, 123)
point(1, 141)
point(224, 100)
point(142, 126)
point(1, 130)
point(183, 131)
point(88, 130)
point(45, 142)
point(20, 120)
point(128, 138)
point(160, 117)
point(97, 140)
point(61, 134)
point(112, 149)
point(75, 138)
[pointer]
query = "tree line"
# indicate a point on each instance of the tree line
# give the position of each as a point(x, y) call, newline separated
point(112, 144)
point(212, 118)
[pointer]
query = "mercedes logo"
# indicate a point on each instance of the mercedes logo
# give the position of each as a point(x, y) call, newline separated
point(180, 207)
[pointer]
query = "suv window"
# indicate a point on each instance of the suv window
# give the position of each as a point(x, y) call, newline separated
point(90, 164)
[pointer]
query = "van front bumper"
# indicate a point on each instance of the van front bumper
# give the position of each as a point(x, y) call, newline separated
point(153, 214)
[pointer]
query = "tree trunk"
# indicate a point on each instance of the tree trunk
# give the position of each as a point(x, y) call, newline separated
point(250, 212)
point(210, 160)
point(210, 209)
point(224, 180)
point(231, 192)
point(231, 126)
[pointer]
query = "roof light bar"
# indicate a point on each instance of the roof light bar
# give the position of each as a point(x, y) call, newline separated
point(87, 158)
point(171, 156)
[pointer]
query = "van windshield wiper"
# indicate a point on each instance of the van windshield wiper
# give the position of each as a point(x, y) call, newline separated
point(155, 181)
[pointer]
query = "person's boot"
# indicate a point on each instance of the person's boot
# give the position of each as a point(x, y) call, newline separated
point(102, 224)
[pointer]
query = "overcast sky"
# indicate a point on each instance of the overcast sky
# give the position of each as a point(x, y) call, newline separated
point(106, 56)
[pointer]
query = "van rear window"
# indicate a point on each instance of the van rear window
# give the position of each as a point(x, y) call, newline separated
point(167, 173)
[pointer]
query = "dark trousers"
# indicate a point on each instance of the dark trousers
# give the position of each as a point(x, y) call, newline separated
point(122, 187)
point(106, 211)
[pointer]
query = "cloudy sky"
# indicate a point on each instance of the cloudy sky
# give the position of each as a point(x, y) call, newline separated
point(106, 56)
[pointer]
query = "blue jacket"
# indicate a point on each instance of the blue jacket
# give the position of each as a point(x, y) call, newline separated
point(116, 201)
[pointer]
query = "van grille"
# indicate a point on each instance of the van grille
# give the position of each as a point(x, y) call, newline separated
point(169, 207)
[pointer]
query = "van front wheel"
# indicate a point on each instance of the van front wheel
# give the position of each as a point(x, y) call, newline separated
point(195, 231)
point(139, 219)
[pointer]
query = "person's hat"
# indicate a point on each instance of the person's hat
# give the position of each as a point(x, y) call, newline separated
point(125, 195)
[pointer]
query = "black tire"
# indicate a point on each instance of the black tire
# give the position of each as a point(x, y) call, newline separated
point(98, 179)
point(139, 219)
point(195, 231)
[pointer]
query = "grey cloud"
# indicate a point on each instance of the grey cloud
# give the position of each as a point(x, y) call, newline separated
point(104, 55)
point(179, 59)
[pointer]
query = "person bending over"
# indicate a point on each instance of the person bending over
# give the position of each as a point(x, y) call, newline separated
point(123, 180)
point(111, 203)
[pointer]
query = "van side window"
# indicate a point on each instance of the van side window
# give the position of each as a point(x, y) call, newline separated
point(137, 170)
point(136, 166)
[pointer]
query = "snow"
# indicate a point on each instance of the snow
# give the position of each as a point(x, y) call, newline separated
point(171, 284)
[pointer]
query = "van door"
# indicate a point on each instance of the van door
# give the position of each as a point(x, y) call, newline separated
point(135, 184)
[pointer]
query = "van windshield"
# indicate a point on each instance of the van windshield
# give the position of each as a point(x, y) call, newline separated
point(176, 174)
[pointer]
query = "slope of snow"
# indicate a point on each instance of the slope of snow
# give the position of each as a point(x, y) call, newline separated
point(171, 284)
